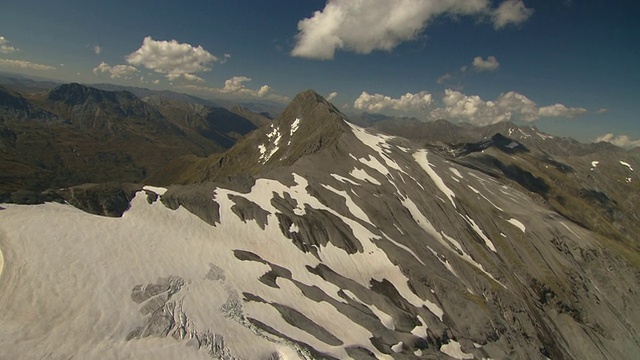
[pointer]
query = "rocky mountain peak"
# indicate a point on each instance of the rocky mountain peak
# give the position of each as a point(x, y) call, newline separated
point(310, 107)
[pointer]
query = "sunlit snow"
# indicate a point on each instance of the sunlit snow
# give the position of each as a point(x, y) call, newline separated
point(453, 349)
point(517, 224)
point(626, 164)
point(421, 158)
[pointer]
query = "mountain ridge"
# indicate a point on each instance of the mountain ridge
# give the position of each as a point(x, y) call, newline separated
point(315, 238)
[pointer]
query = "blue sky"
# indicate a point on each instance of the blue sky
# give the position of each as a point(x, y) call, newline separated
point(568, 67)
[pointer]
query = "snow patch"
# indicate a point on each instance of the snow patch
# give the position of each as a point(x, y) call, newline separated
point(362, 174)
point(424, 223)
point(453, 349)
point(397, 347)
point(158, 190)
point(479, 231)
point(267, 151)
point(352, 206)
point(455, 172)
point(517, 224)
point(385, 319)
point(421, 158)
point(421, 330)
point(404, 247)
point(294, 127)
point(626, 164)
point(344, 179)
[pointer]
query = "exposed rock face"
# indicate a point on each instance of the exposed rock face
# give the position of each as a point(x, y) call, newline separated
point(339, 242)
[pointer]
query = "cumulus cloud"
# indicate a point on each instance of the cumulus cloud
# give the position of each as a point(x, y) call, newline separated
point(115, 72)
point(511, 12)
point(510, 106)
point(490, 64)
point(620, 140)
point(236, 86)
point(97, 50)
point(365, 26)
point(22, 64)
point(5, 48)
point(559, 110)
point(406, 103)
point(175, 60)
point(331, 96)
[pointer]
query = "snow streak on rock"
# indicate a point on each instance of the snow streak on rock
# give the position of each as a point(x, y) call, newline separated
point(267, 151)
point(626, 164)
point(517, 224)
point(421, 158)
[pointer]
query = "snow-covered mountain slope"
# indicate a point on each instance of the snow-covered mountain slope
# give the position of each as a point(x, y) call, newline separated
point(347, 244)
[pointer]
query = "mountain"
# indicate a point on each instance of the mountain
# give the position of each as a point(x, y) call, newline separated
point(74, 134)
point(314, 238)
point(286, 140)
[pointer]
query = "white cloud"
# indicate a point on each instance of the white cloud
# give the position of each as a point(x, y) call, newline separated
point(510, 106)
point(331, 96)
point(175, 60)
point(511, 12)
point(490, 64)
point(22, 64)
point(365, 26)
point(5, 48)
point(559, 110)
point(236, 86)
point(406, 103)
point(97, 50)
point(263, 91)
point(444, 78)
point(620, 140)
point(115, 72)
point(602, 111)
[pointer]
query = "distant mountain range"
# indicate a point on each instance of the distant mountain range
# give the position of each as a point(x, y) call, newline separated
point(73, 134)
point(233, 235)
